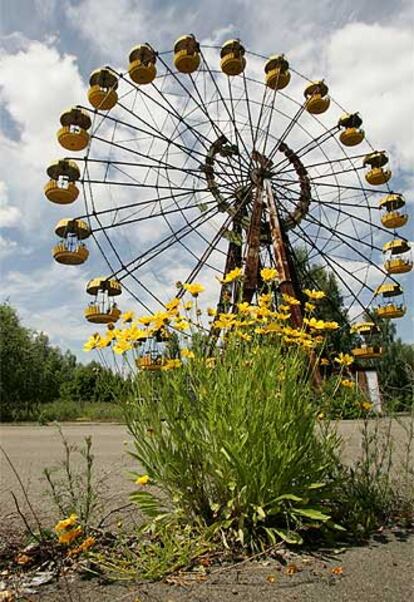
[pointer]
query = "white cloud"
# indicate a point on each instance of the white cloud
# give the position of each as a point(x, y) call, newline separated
point(370, 69)
point(9, 216)
point(7, 247)
point(36, 85)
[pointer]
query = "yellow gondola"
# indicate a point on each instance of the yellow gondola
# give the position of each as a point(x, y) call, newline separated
point(186, 54)
point(396, 246)
point(73, 134)
point(317, 99)
point(142, 69)
point(367, 352)
point(389, 290)
point(377, 175)
point(96, 314)
point(364, 328)
point(391, 311)
point(398, 265)
point(102, 92)
point(111, 286)
point(232, 58)
point(277, 74)
point(352, 133)
point(103, 310)
point(71, 250)
point(392, 218)
point(149, 362)
point(61, 188)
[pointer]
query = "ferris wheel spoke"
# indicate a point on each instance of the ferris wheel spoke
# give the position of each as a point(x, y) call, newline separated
point(313, 144)
point(332, 205)
point(174, 113)
point(213, 80)
point(165, 243)
point(162, 213)
point(328, 162)
point(215, 127)
point(202, 262)
point(152, 132)
point(345, 242)
point(233, 120)
point(334, 265)
point(340, 236)
point(287, 131)
point(331, 201)
point(307, 272)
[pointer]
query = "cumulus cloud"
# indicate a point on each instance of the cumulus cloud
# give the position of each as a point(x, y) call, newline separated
point(36, 84)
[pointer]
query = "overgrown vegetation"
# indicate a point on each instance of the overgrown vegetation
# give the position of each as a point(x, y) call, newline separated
point(40, 382)
point(240, 453)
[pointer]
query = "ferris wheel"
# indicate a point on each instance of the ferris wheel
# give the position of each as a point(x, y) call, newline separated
point(198, 160)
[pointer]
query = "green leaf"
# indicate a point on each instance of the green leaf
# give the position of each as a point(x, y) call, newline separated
point(288, 496)
point(146, 502)
point(311, 513)
point(316, 485)
point(289, 536)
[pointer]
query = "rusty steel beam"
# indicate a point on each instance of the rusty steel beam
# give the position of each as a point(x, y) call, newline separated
point(283, 266)
point(252, 261)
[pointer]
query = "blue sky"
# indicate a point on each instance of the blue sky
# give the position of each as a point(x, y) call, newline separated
point(49, 47)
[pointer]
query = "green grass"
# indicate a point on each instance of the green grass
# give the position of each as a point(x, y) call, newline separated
point(64, 411)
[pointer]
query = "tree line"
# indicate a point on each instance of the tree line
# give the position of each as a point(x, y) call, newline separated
point(34, 372)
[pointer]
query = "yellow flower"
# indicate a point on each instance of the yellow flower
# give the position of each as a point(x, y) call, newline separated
point(142, 480)
point(187, 353)
point(273, 327)
point(92, 342)
point(309, 306)
point(67, 537)
point(64, 524)
point(243, 336)
point(128, 316)
point(181, 325)
point(210, 362)
point(235, 274)
point(173, 304)
point(194, 288)
point(321, 416)
point(211, 311)
point(83, 547)
point(269, 274)
point(313, 294)
point(188, 305)
point(225, 321)
point(104, 341)
point(145, 320)
point(122, 347)
point(348, 384)
point(367, 406)
point(265, 300)
point(243, 307)
point(324, 361)
point(290, 300)
point(171, 364)
point(284, 308)
point(320, 324)
point(344, 359)
point(280, 316)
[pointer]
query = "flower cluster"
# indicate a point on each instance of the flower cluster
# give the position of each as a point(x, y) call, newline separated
point(270, 316)
point(68, 529)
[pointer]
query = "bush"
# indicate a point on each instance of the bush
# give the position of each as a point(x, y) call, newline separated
point(237, 444)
